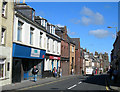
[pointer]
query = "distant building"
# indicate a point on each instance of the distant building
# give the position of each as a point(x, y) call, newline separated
point(65, 49)
point(78, 66)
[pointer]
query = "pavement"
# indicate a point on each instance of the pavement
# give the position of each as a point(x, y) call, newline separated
point(29, 83)
point(113, 85)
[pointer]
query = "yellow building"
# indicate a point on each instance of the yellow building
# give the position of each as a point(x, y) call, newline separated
point(72, 56)
point(6, 28)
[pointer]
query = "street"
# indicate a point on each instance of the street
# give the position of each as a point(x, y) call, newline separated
point(95, 83)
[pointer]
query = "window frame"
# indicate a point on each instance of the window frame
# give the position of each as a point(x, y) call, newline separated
point(3, 63)
point(40, 40)
point(3, 36)
point(19, 29)
point(4, 9)
point(31, 35)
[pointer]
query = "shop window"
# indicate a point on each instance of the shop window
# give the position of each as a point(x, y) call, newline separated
point(19, 31)
point(4, 9)
point(2, 68)
point(3, 36)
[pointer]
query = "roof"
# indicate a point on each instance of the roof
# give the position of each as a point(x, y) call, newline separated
point(70, 40)
point(76, 41)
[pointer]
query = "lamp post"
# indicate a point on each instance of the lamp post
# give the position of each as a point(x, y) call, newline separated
point(113, 27)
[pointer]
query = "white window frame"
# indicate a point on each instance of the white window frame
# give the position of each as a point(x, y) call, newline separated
point(33, 15)
point(2, 62)
point(31, 35)
point(40, 40)
point(19, 29)
point(3, 36)
point(4, 8)
point(48, 45)
point(53, 46)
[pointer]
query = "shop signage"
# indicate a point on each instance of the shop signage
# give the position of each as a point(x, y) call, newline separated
point(35, 52)
point(52, 57)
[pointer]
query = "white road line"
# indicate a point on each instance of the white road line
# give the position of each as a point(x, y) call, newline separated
point(79, 82)
point(72, 86)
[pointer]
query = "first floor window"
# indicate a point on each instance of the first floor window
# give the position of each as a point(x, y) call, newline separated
point(31, 36)
point(2, 68)
point(4, 8)
point(3, 36)
point(19, 31)
point(40, 40)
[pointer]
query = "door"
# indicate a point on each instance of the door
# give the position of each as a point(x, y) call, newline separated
point(16, 71)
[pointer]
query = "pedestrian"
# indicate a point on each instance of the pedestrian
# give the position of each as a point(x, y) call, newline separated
point(72, 71)
point(54, 72)
point(115, 74)
point(82, 72)
point(60, 72)
point(35, 72)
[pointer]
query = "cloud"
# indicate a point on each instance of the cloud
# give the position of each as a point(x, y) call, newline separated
point(75, 21)
point(99, 33)
point(89, 17)
point(70, 32)
point(59, 25)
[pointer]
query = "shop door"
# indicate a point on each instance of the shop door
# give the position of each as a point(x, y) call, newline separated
point(16, 71)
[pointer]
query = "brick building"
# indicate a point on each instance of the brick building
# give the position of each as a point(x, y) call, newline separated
point(65, 49)
point(78, 66)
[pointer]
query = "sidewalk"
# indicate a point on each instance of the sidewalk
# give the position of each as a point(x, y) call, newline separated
point(112, 85)
point(28, 83)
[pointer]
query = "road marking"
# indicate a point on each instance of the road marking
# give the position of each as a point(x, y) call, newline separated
point(72, 86)
point(43, 84)
point(107, 88)
point(79, 82)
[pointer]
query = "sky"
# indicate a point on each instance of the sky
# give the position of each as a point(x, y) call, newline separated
point(85, 20)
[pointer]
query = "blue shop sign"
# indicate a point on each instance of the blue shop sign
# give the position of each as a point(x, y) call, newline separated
point(22, 51)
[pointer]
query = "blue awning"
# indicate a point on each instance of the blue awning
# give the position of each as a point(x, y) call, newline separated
point(22, 51)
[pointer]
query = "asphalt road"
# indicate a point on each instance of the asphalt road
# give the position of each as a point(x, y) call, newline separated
point(95, 83)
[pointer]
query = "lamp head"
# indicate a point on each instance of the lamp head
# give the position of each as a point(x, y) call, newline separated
point(109, 27)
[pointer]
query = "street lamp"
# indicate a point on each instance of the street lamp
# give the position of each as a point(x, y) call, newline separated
point(113, 27)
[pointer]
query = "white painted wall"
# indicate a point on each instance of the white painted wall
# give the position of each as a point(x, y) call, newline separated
point(26, 34)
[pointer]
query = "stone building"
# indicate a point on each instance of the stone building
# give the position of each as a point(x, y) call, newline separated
point(6, 30)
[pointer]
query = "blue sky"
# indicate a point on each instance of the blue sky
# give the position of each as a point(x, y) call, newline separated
point(85, 20)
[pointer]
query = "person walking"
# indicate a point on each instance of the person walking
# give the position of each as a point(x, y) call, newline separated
point(35, 72)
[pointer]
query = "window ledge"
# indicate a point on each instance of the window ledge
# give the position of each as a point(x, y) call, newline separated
point(4, 16)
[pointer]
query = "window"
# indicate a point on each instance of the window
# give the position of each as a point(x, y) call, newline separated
point(40, 43)
point(53, 31)
point(4, 8)
point(72, 48)
point(19, 32)
point(8, 66)
point(48, 44)
point(2, 68)
point(53, 46)
point(44, 42)
point(3, 36)
point(31, 36)
point(33, 15)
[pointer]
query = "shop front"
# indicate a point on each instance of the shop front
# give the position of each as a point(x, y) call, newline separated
point(24, 59)
point(49, 63)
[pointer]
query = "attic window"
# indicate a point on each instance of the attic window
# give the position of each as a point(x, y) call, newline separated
point(33, 15)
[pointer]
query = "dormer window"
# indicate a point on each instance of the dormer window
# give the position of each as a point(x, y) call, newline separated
point(33, 15)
